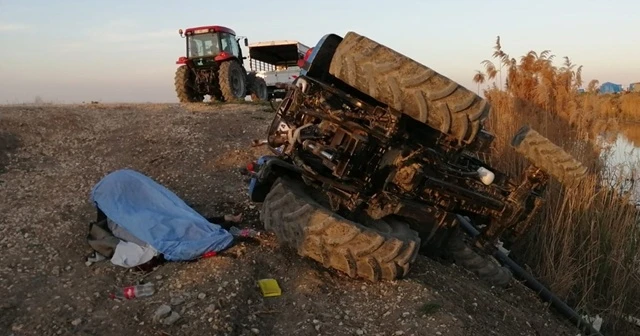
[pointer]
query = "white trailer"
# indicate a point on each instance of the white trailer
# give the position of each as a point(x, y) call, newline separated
point(277, 62)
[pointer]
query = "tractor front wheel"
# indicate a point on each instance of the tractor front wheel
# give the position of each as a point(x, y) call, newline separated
point(232, 81)
point(185, 92)
point(548, 156)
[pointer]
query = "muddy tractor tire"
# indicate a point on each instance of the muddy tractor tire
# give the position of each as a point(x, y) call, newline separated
point(485, 268)
point(232, 80)
point(409, 87)
point(257, 87)
point(185, 92)
point(547, 156)
point(382, 252)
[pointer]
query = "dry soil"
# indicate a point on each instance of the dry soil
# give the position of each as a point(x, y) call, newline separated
point(52, 155)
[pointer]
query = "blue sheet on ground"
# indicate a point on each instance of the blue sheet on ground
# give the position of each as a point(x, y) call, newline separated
point(157, 216)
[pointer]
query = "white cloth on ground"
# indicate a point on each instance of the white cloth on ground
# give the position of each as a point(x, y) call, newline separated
point(128, 254)
point(130, 251)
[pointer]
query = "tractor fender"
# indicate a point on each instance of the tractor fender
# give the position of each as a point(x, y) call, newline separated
point(224, 56)
point(182, 60)
point(266, 170)
point(317, 65)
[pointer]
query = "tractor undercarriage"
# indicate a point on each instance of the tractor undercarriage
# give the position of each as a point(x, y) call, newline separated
point(205, 81)
point(373, 160)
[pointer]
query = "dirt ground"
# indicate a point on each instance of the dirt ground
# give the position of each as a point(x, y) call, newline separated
point(50, 158)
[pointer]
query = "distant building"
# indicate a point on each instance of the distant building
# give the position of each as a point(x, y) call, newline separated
point(609, 87)
point(634, 87)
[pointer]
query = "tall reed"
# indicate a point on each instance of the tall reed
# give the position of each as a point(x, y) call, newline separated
point(585, 244)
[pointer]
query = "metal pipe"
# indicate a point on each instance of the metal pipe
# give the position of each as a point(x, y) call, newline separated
point(316, 149)
point(535, 285)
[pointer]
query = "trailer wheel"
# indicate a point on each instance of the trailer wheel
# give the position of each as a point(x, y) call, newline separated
point(257, 87)
point(384, 251)
point(544, 154)
point(185, 92)
point(409, 87)
point(232, 79)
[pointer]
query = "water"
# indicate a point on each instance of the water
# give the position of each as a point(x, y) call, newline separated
point(622, 159)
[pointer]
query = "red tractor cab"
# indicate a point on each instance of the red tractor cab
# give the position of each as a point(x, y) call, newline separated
point(213, 66)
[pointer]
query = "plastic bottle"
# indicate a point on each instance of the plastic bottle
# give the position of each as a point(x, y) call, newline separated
point(209, 254)
point(243, 232)
point(135, 291)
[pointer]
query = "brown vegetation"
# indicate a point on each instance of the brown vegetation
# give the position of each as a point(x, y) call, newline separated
point(586, 244)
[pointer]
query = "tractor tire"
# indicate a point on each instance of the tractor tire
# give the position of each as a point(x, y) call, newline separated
point(484, 268)
point(232, 80)
point(383, 252)
point(185, 93)
point(409, 87)
point(547, 156)
point(257, 87)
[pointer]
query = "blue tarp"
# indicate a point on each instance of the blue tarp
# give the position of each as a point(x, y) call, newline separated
point(609, 87)
point(157, 216)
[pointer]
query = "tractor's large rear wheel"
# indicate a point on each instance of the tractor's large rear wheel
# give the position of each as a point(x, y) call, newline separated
point(233, 81)
point(184, 89)
point(257, 87)
point(383, 251)
point(409, 87)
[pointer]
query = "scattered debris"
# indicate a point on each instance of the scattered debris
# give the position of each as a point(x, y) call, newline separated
point(136, 291)
point(162, 312)
point(172, 318)
point(269, 287)
point(177, 300)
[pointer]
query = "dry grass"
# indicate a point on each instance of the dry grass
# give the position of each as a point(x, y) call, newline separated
point(586, 245)
point(622, 107)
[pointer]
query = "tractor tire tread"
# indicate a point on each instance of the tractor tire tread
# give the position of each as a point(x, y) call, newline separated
point(184, 92)
point(255, 83)
point(374, 254)
point(546, 155)
point(410, 87)
point(225, 83)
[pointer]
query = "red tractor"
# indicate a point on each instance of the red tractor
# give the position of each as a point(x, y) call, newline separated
point(214, 66)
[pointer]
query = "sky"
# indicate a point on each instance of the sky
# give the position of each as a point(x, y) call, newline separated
point(69, 51)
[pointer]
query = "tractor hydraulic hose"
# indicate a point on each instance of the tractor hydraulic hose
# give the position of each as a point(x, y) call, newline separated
point(535, 285)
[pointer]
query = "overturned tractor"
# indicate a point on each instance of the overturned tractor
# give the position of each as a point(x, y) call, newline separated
point(375, 159)
point(214, 66)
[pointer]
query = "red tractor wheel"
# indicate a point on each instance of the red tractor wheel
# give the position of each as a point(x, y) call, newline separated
point(232, 79)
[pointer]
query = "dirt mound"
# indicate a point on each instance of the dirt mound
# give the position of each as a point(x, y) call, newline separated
point(57, 153)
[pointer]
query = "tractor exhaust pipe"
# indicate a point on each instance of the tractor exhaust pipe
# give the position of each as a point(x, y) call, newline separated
point(544, 293)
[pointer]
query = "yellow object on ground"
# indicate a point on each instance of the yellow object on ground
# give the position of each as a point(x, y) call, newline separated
point(269, 287)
